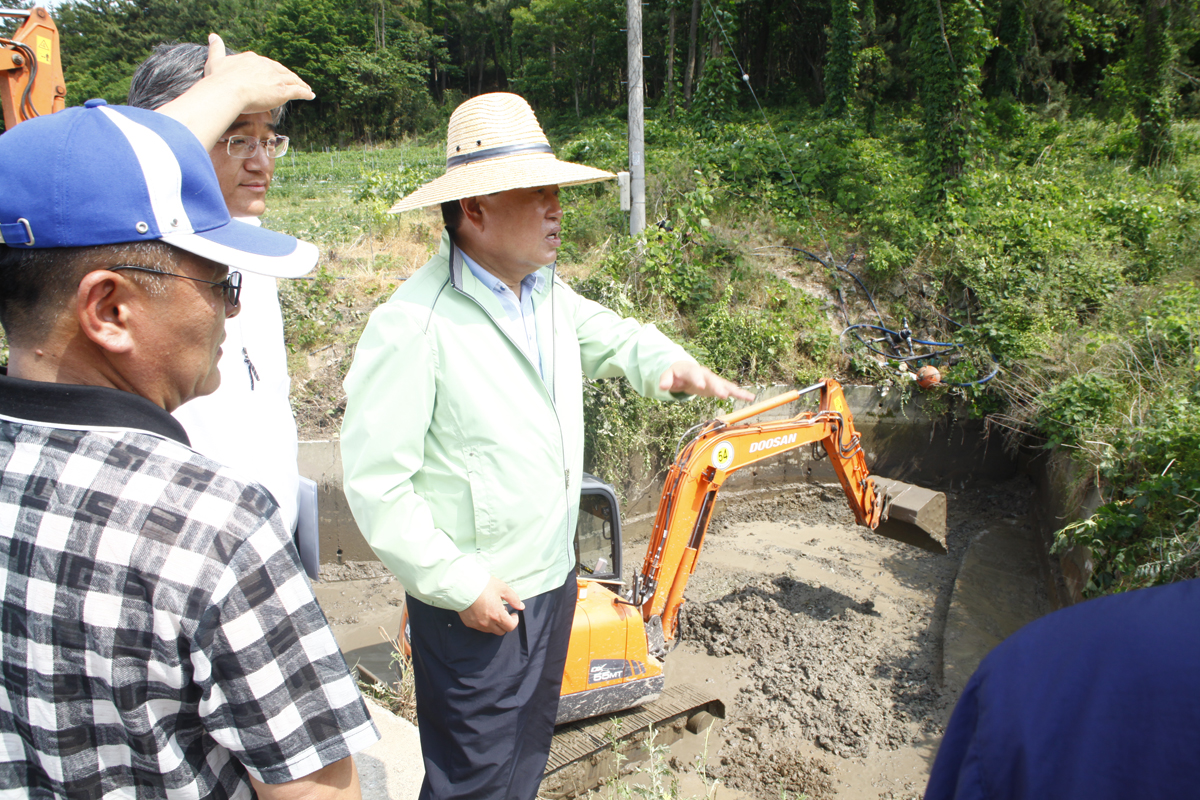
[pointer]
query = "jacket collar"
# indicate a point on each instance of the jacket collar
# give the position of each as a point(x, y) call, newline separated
point(87, 407)
point(451, 252)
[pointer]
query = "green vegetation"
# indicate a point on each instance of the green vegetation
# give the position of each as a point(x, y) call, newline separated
point(1019, 176)
point(399, 697)
point(1131, 408)
point(1055, 256)
point(653, 777)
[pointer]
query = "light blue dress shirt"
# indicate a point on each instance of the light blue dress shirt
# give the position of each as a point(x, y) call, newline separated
point(519, 323)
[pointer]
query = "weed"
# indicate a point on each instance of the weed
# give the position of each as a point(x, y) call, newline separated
point(655, 780)
point(400, 696)
point(310, 309)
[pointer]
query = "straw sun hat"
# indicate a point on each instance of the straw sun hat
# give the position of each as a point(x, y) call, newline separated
point(494, 143)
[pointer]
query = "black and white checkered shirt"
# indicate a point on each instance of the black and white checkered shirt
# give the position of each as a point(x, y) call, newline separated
point(159, 637)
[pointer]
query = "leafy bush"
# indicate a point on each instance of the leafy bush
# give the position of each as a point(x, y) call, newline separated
point(385, 188)
point(1078, 405)
point(677, 258)
point(629, 439)
point(1149, 532)
point(311, 309)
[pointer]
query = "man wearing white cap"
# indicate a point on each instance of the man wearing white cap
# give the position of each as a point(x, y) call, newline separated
point(463, 447)
point(159, 636)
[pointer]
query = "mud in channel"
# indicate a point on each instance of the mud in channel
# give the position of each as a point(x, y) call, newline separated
point(823, 639)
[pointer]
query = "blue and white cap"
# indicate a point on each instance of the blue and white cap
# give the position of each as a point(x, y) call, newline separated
point(101, 174)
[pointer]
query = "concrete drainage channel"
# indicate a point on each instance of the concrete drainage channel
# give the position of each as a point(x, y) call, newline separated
point(838, 653)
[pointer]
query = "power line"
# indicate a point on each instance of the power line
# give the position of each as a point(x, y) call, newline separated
point(782, 154)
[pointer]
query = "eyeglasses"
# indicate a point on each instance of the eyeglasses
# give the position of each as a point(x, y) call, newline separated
point(247, 146)
point(231, 287)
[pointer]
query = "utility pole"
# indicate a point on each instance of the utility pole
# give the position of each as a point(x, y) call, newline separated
point(637, 146)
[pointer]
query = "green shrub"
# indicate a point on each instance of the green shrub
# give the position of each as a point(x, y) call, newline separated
point(311, 310)
point(1149, 531)
point(1077, 406)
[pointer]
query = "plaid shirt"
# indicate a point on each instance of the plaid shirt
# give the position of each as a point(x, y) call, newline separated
point(159, 637)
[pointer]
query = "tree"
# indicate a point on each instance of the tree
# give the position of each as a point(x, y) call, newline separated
point(948, 47)
point(1003, 67)
point(382, 93)
point(103, 41)
point(570, 52)
point(365, 66)
point(309, 37)
point(689, 74)
point(840, 63)
point(1153, 55)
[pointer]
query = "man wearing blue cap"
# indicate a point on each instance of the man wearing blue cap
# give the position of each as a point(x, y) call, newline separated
point(159, 636)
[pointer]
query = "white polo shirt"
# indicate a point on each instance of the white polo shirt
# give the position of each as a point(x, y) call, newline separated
point(248, 423)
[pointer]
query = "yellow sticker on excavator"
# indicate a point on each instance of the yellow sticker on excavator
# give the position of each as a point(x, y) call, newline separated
point(723, 455)
point(45, 49)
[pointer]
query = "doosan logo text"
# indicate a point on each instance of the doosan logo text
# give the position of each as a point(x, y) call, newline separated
point(766, 444)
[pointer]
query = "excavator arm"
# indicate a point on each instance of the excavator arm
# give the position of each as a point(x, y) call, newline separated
point(722, 446)
point(32, 84)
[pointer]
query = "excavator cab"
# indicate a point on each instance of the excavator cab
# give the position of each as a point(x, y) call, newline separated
point(598, 532)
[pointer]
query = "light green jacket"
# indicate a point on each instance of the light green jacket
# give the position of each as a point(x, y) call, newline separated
point(460, 462)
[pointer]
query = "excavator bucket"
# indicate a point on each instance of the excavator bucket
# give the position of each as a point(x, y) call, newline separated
point(912, 514)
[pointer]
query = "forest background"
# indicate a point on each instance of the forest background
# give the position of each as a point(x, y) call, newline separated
point(1016, 179)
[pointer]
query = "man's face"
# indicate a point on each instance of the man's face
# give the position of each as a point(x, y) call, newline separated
point(244, 181)
point(187, 324)
point(522, 228)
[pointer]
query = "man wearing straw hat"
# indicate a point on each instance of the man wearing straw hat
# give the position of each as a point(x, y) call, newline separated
point(463, 447)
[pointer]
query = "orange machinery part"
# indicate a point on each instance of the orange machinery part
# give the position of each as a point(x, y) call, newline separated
point(724, 446)
point(605, 627)
point(31, 63)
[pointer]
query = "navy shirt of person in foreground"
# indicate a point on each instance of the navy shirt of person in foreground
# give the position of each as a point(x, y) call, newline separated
point(1100, 700)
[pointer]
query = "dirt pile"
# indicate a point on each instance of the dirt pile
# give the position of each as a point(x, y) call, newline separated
point(816, 669)
point(834, 631)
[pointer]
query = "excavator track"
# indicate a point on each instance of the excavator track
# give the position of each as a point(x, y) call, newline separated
point(583, 753)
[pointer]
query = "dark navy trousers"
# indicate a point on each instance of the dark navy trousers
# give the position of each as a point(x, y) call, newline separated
point(486, 703)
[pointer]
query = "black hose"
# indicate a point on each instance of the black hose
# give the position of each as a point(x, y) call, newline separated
point(892, 337)
point(31, 61)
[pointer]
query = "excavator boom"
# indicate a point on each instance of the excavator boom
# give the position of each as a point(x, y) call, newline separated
point(32, 83)
point(727, 444)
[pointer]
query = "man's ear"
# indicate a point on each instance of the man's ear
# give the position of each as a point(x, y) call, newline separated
point(472, 211)
point(104, 310)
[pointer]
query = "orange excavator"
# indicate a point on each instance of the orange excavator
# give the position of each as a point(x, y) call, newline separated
point(619, 641)
point(613, 686)
point(32, 81)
